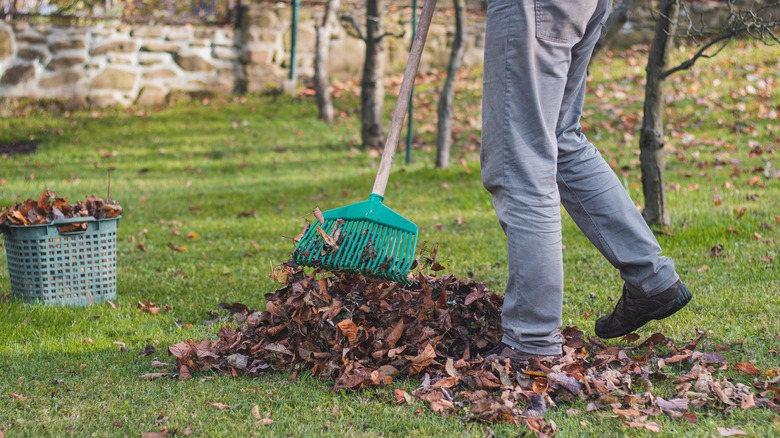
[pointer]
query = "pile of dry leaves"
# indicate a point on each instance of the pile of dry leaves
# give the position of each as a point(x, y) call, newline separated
point(362, 332)
point(48, 208)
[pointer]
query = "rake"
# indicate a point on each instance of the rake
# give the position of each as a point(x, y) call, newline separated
point(369, 237)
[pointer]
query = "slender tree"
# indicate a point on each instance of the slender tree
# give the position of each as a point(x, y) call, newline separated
point(651, 137)
point(756, 22)
point(321, 79)
point(372, 91)
point(445, 113)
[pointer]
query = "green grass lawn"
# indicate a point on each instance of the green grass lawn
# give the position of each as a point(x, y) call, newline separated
point(228, 181)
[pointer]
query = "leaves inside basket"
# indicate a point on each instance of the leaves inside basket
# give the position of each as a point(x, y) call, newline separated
point(48, 207)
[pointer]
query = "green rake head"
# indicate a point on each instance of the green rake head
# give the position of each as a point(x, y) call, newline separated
point(366, 237)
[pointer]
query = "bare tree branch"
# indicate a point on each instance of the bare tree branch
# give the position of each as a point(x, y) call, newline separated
point(349, 18)
point(752, 22)
point(701, 53)
point(390, 34)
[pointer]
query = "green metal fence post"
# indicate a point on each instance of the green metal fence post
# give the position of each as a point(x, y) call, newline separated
point(290, 86)
point(294, 43)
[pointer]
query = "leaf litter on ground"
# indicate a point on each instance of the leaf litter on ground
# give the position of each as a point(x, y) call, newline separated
point(360, 332)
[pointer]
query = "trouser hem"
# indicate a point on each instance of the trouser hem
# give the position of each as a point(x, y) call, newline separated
point(552, 350)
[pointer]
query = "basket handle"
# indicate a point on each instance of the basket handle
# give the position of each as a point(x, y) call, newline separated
point(72, 220)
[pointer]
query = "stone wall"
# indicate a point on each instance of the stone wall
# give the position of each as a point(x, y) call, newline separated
point(114, 63)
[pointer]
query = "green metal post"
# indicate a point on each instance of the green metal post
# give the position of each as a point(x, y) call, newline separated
point(411, 96)
point(294, 41)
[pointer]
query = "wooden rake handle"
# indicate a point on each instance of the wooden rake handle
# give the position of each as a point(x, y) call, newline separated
point(401, 105)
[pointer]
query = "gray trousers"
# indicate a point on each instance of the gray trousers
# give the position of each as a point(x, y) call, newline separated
point(534, 157)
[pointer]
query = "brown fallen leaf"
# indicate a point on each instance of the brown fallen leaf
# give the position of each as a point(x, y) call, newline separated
point(630, 338)
point(422, 360)
point(348, 329)
point(220, 406)
point(447, 382)
point(181, 351)
point(726, 431)
point(111, 211)
point(395, 334)
point(279, 275)
point(712, 357)
point(326, 237)
point(149, 307)
point(651, 426)
point(715, 251)
point(747, 368)
point(674, 408)
point(157, 364)
point(184, 372)
point(772, 372)
point(153, 376)
point(298, 238)
point(18, 396)
point(627, 413)
point(540, 426)
point(565, 381)
point(17, 218)
point(748, 401)
point(256, 412)
point(179, 248)
point(402, 396)
point(540, 385)
point(318, 214)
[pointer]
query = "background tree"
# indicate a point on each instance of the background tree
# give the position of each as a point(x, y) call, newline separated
point(651, 137)
point(756, 21)
point(321, 79)
point(445, 113)
point(372, 91)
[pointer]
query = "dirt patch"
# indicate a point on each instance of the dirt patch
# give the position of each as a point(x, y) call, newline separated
point(18, 148)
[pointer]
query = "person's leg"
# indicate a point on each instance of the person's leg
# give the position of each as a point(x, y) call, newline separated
point(527, 56)
point(595, 199)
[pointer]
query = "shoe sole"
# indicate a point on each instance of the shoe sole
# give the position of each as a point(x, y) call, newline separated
point(682, 298)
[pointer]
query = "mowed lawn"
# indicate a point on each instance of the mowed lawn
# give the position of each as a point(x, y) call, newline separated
point(213, 191)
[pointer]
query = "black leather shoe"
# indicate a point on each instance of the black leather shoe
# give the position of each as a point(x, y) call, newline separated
point(632, 313)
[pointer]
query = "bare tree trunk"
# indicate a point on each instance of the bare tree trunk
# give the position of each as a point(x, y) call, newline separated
point(617, 19)
point(651, 137)
point(321, 80)
point(372, 92)
point(444, 134)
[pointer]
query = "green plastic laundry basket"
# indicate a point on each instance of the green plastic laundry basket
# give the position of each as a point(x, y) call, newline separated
point(48, 266)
